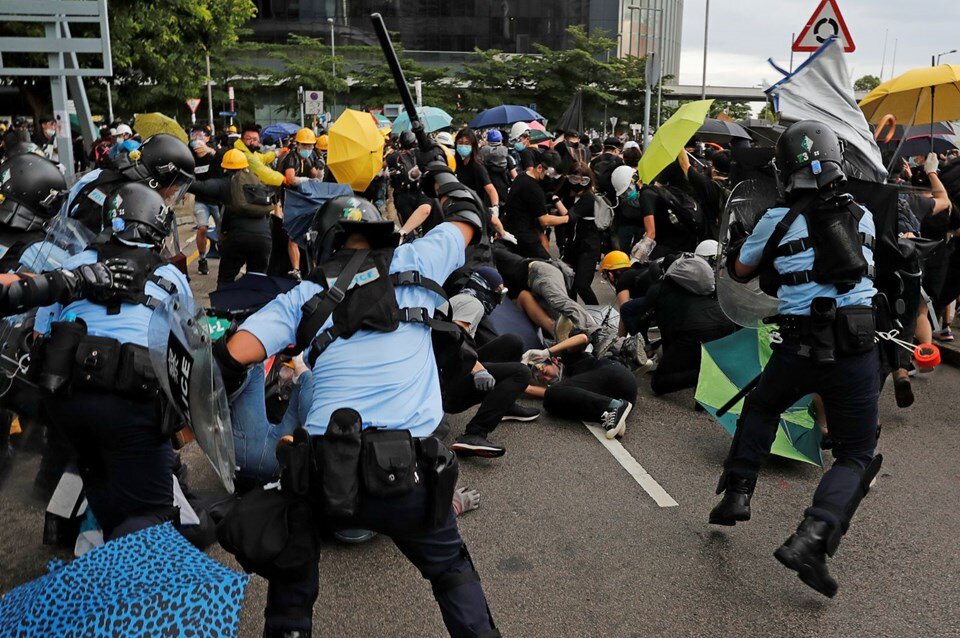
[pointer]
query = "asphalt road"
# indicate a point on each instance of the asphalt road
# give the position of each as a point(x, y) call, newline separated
point(568, 544)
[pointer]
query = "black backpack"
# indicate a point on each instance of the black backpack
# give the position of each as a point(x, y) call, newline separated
point(682, 209)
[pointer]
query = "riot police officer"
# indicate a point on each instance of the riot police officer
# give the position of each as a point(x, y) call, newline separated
point(816, 254)
point(29, 187)
point(364, 318)
point(94, 367)
point(400, 163)
point(162, 162)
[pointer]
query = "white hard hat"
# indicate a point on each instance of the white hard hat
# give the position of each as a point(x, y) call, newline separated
point(630, 144)
point(621, 179)
point(445, 139)
point(708, 248)
point(123, 129)
point(518, 129)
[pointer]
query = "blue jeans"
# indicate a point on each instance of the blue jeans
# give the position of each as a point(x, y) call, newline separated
point(254, 437)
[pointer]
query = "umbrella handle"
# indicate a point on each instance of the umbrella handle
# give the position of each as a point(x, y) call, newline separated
point(386, 45)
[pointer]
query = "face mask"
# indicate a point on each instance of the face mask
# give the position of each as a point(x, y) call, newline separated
point(305, 153)
point(519, 146)
point(49, 132)
point(631, 194)
point(464, 150)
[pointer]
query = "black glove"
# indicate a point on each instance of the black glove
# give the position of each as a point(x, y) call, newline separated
point(103, 280)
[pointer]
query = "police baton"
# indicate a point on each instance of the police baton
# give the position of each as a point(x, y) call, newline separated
point(393, 62)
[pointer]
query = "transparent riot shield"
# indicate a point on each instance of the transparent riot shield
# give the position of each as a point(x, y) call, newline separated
point(180, 351)
point(745, 304)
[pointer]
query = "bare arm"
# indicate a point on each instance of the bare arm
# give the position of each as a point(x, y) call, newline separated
point(649, 227)
point(547, 221)
point(939, 192)
point(492, 195)
point(246, 348)
point(535, 391)
point(416, 219)
point(571, 343)
point(623, 297)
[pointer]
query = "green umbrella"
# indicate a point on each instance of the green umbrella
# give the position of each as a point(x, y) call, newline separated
point(727, 365)
point(671, 137)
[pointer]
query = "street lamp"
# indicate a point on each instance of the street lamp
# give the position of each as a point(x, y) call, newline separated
point(706, 34)
point(333, 50)
point(940, 55)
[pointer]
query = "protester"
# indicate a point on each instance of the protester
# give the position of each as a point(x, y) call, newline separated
point(208, 160)
point(526, 212)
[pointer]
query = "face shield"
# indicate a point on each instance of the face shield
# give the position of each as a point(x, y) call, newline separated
point(171, 182)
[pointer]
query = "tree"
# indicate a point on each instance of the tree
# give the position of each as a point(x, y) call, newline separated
point(866, 83)
point(736, 110)
point(767, 113)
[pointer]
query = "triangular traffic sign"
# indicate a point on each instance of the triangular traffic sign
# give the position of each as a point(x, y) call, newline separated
point(826, 21)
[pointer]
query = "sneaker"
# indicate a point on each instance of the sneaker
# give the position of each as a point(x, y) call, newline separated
point(614, 421)
point(477, 445)
point(202, 266)
point(944, 335)
point(519, 412)
point(564, 328)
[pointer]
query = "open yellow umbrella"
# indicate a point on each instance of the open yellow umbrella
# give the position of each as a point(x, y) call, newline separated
point(147, 124)
point(920, 96)
point(355, 154)
point(671, 137)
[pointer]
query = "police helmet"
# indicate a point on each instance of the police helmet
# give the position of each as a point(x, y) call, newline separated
point(29, 189)
point(809, 156)
point(22, 148)
point(137, 213)
point(343, 216)
point(407, 140)
point(162, 161)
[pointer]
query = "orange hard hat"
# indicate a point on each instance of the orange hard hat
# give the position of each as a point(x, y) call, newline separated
point(615, 260)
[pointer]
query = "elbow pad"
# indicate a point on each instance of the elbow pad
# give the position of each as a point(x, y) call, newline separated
point(233, 372)
point(467, 212)
point(33, 292)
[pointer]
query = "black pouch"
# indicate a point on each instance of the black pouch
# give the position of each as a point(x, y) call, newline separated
point(56, 354)
point(340, 464)
point(388, 463)
point(820, 333)
point(135, 376)
point(856, 328)
point(96, 364)
point(440, 469)
point(296, 463)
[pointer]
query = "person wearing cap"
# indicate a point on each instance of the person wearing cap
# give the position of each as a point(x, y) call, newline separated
point(524, 154)
point(122, 134)
point(526, 211)
point(571, 151)
point(208, 160)
point(500, 164)
point(604, 164)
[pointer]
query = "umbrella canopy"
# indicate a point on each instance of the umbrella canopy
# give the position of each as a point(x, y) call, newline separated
point(279, 131)
point(382, 120)
point(504, 115)
point(721, 132)
point(727, 365)
point(671, 137)
point(147, 124)
point(300, 205)
point(572, 118)
point(922, 144)
point(764, 133)
point(919, 96)
point(539, 134)
point(355, 154)
point(433, 119)
point(939, 128)
point(149, 583)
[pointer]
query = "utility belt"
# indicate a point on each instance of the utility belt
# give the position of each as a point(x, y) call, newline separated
point(827, 332)
point(70, 360)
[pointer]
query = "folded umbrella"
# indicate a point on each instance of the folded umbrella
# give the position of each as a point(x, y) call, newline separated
point(147, 124)
point(720, 132)
point(671, 138)
point(504, 115)
point(148, 583)
point(433, 119)
point(355, 154)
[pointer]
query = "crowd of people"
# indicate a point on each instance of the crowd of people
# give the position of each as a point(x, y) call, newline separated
point(479, 270)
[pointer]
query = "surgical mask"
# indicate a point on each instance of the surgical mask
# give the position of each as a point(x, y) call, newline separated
point(305, 153)
point(519, 146)
point(631, 194)
point(49, 132)
point(464, 150)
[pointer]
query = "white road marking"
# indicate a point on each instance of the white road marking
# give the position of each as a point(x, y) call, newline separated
point(640, 475)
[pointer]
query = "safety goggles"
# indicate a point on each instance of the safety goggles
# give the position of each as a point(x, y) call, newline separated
point(579, 180)
point(551, 172)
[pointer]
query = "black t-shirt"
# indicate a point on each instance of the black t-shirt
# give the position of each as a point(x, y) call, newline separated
point(473, 175)
point(636, 279)
point(300, 165)
point(670, 235)
point(685, 316)
point(436, 213)
point(526, 203)
point(529, 157)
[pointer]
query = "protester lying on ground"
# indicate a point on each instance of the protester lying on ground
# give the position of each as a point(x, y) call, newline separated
point(576, 385)
point(545, 300)
point(631, 281)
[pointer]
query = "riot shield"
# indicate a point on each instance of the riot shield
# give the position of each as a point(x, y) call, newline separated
point(180, 351)
point(745, 304)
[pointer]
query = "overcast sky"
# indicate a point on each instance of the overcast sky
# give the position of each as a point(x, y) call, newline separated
point(744, 33)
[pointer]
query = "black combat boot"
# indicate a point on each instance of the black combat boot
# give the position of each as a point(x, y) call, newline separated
point(735, 505)
point(805, 552)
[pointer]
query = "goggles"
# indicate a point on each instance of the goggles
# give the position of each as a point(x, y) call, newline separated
point(582, 180)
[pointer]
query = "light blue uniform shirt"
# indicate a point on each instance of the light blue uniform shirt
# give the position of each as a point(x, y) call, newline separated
point(390, 378)
point(99, 198)
point(130, 325)
point(796, 300)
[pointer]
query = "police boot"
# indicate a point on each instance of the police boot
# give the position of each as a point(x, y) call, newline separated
point(805, 552)
point(735, 505)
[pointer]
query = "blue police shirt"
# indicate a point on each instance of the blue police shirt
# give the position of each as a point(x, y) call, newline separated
point(796, 300)
point(97, 196)
point(390, 378)
point(130, 325)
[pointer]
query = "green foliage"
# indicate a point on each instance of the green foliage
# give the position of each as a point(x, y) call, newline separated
point(866, 83)
point(767, 113)
point(736, 110)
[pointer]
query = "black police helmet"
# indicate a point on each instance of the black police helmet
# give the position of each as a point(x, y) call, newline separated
point(29, 188)
point(407, 140)
point(22, 148)
point(809, 156)
point(343, 216)
point(137, 213)
point(162, 161)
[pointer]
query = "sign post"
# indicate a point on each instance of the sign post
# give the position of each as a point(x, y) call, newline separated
point(313, 102)
point(826, 21)
point(192, 104)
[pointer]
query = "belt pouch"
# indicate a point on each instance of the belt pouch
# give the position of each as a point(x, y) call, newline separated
point(135, 376)
point(856, 328)
point(340, 464)
point(296, 459)
point(57, 355)
point(96, 364)
point(440, 468)
point(820, 333)
point(388, 463)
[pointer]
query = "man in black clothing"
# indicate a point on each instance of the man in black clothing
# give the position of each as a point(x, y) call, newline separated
point(208, 158)
point(603, 166)
point(526, 212)
point(406, 190)
point(571, 152)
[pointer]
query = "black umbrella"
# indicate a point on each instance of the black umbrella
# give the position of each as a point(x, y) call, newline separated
point(921, 145)
point(572, 118)
point(720, 132)
point(924, 130)
point(765, 133)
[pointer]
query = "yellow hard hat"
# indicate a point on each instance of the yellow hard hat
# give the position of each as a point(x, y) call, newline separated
point(306, 136)
point(323, 142)
point(451, 161)
point(231, 129)
point(615, 260)
point(234, 160)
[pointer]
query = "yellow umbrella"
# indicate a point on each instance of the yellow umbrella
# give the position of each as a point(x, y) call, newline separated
point(671, 137)
point(920, 96)
point(355, 154)
point(147, 124)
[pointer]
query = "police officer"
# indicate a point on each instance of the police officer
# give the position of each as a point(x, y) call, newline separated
point(385, 371)
point(400, 163)
point(95, 368)
point(162, 162)
point(29, 188)
point(820, 247)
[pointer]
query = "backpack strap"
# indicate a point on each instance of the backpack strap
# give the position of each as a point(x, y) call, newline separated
point(772, 246)
point(414, 278)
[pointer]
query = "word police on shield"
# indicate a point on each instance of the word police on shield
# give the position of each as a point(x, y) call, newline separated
point(179, 367)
